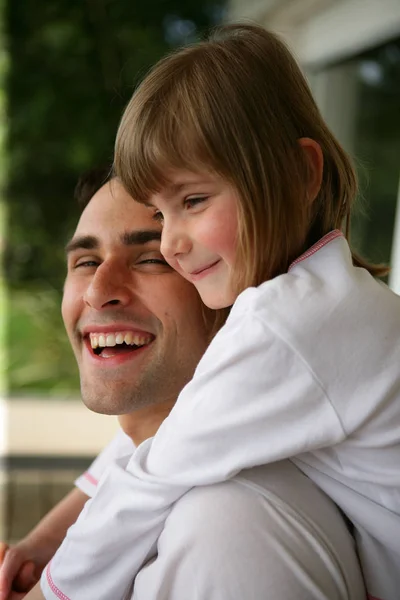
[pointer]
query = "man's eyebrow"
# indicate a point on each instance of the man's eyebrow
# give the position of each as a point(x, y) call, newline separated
point(129, 238)
point(140, 237)
point(82, 242)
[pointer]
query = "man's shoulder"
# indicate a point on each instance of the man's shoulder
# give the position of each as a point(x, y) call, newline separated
point(255, 497)
point(252, 538)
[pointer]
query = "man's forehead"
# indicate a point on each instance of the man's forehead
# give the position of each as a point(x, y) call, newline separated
point(112, 210)
point(114, 218)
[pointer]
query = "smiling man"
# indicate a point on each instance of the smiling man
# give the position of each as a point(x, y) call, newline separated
point(135, 344)
point(138, 331)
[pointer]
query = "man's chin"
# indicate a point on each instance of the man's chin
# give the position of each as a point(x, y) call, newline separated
point(104, 401)
point(101, 407)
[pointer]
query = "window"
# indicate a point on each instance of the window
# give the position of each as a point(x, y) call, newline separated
point(360, 99)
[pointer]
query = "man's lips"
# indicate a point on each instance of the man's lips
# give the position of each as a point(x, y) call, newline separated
point(118, 338)
point(116, 341)
point(114, 354)
point(112, 328)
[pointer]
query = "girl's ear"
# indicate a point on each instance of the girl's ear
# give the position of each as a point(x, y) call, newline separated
point(315, 161)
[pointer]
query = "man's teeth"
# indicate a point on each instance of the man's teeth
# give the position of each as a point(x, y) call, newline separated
point(103, 340)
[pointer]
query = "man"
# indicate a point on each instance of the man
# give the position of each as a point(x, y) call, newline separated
point(138, 331)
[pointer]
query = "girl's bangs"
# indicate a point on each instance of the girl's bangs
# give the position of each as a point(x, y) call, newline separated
point(152, 143)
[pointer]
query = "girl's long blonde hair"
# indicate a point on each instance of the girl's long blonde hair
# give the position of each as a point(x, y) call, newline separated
point(237, 104)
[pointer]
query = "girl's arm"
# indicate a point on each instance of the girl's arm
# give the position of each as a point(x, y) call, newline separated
point(23, 563)
point(35, 594)
point(252, 401)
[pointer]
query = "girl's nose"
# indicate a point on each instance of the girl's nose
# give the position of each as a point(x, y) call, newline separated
point(175, 240)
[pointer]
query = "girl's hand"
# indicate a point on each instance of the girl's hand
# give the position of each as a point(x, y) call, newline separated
point(18, 571)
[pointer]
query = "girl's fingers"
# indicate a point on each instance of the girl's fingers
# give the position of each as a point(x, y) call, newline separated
point(3, 551)
point(25, 578)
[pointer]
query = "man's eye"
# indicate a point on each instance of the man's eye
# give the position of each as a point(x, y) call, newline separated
point(153, 261)
point(86, 263)
point(193, 201)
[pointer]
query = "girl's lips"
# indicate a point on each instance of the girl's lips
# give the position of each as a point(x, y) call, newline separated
point(200, 273)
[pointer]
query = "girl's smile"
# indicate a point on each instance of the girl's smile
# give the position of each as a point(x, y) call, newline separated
point(203, 271)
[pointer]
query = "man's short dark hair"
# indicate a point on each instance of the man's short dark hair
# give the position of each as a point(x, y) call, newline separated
point(90, 182)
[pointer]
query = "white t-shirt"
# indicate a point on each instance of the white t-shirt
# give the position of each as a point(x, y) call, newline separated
point(267, 533)
point(121, 445)
point(307, 366)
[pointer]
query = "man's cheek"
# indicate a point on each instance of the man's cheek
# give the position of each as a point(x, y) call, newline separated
point(175, 265)
point(65, 310)
point(71, 306)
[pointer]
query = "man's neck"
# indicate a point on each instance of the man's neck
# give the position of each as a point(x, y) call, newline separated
point(144, 423)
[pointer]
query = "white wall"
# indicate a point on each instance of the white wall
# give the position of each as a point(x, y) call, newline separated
point(321, 31)
point(394, 277)
point(53, 427)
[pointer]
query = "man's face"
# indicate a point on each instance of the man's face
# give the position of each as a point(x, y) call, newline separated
point(135, 325)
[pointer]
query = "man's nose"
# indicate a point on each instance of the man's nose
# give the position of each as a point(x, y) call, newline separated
point(109, 286)
point(175, 240)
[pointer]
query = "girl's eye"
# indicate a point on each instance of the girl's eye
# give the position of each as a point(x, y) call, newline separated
point(193, 201)
point(158, 216)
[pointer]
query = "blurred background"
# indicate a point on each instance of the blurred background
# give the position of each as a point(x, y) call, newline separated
point(67, 69)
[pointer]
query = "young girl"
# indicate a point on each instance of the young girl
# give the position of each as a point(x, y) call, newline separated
point(224, 141)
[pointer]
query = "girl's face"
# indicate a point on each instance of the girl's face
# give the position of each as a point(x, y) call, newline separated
point(199, 216)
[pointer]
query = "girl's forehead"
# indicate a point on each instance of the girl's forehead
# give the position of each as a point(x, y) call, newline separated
point(181, 183)
point(179, 179)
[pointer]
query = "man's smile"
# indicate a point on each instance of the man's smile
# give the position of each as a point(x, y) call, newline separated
point(120, 338)
point(118, 341)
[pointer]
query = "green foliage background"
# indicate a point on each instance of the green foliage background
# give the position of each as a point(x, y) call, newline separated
point(71, 67)
point(67, 69)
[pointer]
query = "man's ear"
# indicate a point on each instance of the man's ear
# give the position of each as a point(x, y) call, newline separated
point(315, 161)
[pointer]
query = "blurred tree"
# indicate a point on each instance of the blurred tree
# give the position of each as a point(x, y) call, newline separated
point(73, 65)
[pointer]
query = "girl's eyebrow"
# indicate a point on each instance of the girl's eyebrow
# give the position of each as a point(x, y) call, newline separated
point(171, 189)
point(174, 189)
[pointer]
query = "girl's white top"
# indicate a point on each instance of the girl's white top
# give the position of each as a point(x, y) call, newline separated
point(307, 367)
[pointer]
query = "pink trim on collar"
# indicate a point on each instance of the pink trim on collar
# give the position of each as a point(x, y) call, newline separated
point(332, 235)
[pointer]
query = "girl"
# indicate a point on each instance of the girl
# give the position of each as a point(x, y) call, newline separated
point(224, 141)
